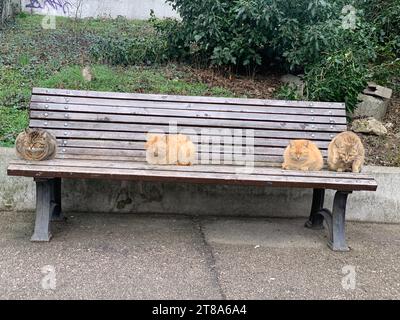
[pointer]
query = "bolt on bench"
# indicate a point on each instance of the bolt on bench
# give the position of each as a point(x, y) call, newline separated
point(101, 135)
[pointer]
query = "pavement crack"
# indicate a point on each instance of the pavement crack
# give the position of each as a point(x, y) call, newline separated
point(210, 258)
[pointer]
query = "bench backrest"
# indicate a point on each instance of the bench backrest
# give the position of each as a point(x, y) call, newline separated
point(99, 125)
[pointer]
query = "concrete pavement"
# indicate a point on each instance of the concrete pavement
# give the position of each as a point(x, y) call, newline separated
point(129, 256)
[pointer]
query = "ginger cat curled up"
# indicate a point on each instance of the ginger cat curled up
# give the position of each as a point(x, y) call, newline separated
point(302, 155)
point(170, 149)
point(346, 153)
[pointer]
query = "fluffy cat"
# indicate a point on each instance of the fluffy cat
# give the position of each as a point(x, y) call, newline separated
point(36, 145)
point(302, 155)
point(170, 149)
point(346, 153)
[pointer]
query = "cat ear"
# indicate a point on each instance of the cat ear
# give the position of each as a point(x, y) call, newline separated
point(306, 143)
point(291, 143)
point(151, 138)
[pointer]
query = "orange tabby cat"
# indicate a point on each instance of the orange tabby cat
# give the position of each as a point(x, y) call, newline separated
point(302, 155)
point(346, 153)
point(156, 149)
point(170, 149)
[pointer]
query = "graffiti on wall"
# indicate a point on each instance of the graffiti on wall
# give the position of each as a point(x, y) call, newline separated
point(57, 5)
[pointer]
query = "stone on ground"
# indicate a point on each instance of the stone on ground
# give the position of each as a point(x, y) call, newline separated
point(371, 107)
point(294, 82)
point(369, 126)
point(378, 91)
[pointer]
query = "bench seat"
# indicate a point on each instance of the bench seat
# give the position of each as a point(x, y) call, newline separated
point(212, 174)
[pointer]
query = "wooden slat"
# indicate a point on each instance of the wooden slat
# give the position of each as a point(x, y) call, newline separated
point(193, 177)
point(183, 116)
point(144, 124)
point(176, 98)
point(141, 135)
point(79, 157)
point(104, 146)
point(139, 145)
point(140, 154)
point(130, 107)
point(135, 143)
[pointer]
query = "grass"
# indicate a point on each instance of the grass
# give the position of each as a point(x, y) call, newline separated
point(31, 56)
point(12, 121)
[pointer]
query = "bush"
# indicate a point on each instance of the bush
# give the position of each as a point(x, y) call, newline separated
point(338, 77)
point(385, 15)
point(304, 35)
point(169, 30)
point(249, 32)
point(124, 50)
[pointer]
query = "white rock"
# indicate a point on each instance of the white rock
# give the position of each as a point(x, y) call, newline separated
point(87, 74)
point(370, 126)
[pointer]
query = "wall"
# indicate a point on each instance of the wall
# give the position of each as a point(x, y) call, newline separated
point(17, 193)
point(132, 9)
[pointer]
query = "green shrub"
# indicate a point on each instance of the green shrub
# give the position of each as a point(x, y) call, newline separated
point(128, 49)
point(169, 30)
point(249, 32)
point(385, 16)
point(338, 77)
point(287, 92)
point(304, 36)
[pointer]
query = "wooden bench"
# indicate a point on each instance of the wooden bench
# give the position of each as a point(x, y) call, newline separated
point(101, 135)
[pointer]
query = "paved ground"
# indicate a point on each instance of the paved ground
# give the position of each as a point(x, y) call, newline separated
point(111, 256)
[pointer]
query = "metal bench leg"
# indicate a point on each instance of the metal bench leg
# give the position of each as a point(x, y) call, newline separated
point(316, 220)
point(43, 210)
point(48, 207)
point(56, 212)
point(336, 222)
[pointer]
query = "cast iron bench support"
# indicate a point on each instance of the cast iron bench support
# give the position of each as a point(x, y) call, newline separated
point(48, 207)
point(334, 219)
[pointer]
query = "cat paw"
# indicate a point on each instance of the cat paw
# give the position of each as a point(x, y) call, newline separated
point(340, 170)
point(304, 168)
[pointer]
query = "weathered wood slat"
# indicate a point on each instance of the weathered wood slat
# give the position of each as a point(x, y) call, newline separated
point(135, 143)
point(140, 154)
point(193, 177)
point(126, 135)
point(123, 164)
point(143, 106)
point(144, 124)
point(186, 116)
point(67, 156)
point(139, 145)
point(175, 98)
point(104, 148)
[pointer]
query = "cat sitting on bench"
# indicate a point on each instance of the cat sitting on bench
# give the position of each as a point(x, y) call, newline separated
point(172, 149)
point(36, 145)
point(302, 155)
point(346, 153)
